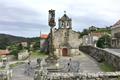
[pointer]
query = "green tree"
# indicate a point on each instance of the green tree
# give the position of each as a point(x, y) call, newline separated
point(36, 45)
point(84, 32)
point(14, 50)
point(35, 41)
point(4, 42)
point(92, 28)
point(19, 46)
point(104, 41)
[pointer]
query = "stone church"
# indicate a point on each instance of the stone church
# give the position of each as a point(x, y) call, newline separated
point(65, 40)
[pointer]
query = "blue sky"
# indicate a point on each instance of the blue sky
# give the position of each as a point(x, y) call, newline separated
point(28, 17)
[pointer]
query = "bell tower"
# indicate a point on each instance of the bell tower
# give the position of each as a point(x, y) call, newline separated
point(65, 21)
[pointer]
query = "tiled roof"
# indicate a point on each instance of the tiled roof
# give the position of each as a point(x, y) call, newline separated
point(44, 36)
point(117, 23)
point(4, 52)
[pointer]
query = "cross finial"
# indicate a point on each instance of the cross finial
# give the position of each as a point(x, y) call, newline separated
point(64, 12)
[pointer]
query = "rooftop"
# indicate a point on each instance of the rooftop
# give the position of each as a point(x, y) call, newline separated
point(117, 23)
point(99, 34)
point(4, 52)
point(44, 36)
point(65, 17)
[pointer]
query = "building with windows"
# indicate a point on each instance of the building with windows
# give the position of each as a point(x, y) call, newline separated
point(92, 38)
point(44, 42)
point(115, 31)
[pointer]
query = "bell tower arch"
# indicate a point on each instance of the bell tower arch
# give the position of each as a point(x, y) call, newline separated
point(65, 21)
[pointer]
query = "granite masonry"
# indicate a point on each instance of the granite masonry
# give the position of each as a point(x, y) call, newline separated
point(65, 40)
point(102, 55)
point(41, 75)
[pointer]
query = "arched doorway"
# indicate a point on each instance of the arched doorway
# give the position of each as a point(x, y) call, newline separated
point(64, 52)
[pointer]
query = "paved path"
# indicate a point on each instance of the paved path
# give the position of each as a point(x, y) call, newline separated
point(18, 72)
point(87, 64)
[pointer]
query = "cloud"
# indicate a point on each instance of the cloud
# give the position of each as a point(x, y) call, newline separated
point(28, 17)
point(19, 21)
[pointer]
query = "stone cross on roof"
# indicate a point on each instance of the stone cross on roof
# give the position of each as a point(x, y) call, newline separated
point(64, 12)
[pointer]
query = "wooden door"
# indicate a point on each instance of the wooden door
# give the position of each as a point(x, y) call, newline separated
point(64, 52)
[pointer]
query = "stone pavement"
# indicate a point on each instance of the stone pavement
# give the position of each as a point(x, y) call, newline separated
point(19, 72)
point(82, 62)
point(113, 51)
point(86, 63)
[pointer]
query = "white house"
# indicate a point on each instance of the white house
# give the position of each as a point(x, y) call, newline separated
point(91, 39)
point(115, 30)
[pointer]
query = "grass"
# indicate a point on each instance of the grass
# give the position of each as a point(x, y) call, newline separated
point(2, 68)
point(16, 64)
point(37, 54)
point(106, 67)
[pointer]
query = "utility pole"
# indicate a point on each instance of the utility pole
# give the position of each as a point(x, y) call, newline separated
point(40, 40)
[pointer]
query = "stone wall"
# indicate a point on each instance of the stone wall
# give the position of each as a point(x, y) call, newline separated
point(61, 35)
point(23, 55)
point(74, 52)
point(5, 74)
point(78, 76)
point(66, 38)
point(102, 55)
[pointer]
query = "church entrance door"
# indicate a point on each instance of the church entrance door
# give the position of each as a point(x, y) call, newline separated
point(64, 52)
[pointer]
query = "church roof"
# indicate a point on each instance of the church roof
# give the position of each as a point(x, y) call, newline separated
point(65, 17)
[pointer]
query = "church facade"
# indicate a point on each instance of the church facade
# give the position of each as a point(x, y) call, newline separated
point(66, 41)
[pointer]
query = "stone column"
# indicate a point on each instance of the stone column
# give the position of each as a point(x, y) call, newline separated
point(52, 58)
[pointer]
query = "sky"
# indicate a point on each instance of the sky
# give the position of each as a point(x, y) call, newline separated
point(28, 17)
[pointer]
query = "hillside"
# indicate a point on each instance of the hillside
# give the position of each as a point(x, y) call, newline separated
point(11, 38)
point(7, 40)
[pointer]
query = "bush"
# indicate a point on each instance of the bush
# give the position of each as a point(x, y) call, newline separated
point(104, 42)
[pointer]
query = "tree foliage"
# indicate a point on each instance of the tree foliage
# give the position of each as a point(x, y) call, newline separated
point(4, 42)
point(36, 45)
point(15, 49)
point(95, 29)
point(104, 41)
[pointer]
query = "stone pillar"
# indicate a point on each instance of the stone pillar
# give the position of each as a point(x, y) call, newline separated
point(52, 58)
